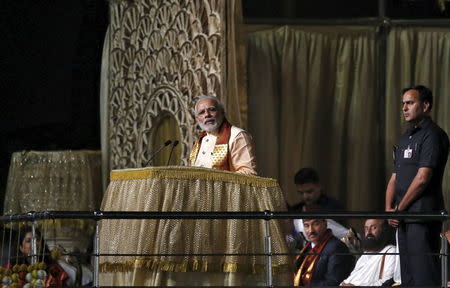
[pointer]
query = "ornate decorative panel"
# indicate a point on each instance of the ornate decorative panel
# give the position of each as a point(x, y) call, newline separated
point(164, 53)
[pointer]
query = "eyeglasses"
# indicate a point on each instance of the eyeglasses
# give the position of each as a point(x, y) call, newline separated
point(210, 109)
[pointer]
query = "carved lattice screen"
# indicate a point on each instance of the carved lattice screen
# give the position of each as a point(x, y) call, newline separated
point(163, 54)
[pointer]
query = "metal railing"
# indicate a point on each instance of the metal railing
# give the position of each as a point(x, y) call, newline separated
point(265, 215)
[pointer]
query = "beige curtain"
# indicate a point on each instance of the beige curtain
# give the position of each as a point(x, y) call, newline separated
point(313, 102)
point(417, 56)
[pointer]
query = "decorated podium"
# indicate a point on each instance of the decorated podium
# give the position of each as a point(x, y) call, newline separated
point(183, 241)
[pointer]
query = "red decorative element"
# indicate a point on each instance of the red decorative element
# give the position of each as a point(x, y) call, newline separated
point(56, 277)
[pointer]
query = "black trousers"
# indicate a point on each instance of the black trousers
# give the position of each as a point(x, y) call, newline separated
point(415, 242)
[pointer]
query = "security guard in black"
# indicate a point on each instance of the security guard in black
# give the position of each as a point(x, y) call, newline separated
point(425, 145)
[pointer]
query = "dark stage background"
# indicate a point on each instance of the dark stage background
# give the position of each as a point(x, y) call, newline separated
point(50, 70)
point(51, 54)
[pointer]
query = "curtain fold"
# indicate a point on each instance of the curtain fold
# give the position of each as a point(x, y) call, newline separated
point(235, 99)
point(312, 102)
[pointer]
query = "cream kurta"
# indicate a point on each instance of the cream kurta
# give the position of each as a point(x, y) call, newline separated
point(367, 269)
point(242, 155)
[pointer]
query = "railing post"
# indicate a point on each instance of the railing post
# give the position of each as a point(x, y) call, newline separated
point(268, 252)
point(444, 258)
point(34, 243)
point(96, 254)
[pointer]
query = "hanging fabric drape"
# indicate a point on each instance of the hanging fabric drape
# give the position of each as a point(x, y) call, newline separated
point(313, 102)
point(236, 89)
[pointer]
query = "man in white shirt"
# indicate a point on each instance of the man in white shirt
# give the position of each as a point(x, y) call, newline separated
point(221, 145)
point(375, 267)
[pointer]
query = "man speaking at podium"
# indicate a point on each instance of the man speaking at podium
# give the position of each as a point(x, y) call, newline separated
point(221, 145)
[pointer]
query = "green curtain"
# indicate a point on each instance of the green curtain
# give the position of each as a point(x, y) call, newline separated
point(313, 102)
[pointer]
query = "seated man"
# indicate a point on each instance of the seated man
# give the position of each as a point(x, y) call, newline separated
point(374, 270)
point(337, 229)
point(311, 192)
point(324, 260)
point(221, 145)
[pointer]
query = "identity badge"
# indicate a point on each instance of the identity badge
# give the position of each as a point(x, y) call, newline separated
point(407, 153)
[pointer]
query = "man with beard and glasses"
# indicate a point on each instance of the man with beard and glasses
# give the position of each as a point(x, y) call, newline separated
point(221, 145)
point(325, 260)
point(375, 267)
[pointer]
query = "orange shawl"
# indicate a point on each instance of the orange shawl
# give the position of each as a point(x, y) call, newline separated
point(303, 276)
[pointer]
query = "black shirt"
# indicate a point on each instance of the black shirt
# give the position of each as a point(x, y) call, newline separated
point(425, 145)
point(324, 203)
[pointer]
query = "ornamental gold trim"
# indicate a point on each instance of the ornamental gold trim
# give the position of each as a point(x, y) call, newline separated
point(191, 266)
point(177, 172)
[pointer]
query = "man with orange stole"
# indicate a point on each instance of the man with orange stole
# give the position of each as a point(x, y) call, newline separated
point(325, 260)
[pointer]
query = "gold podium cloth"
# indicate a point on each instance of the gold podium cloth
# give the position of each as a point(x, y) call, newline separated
point(186, 189)
point(56, 180)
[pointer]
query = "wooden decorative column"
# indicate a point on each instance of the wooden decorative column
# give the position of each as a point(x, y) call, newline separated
point(162, 55)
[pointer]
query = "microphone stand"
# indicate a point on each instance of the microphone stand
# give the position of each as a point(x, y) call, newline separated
point(167, 143)
point(175, 143)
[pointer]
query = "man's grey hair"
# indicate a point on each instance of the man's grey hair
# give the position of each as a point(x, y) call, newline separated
point(215, 99)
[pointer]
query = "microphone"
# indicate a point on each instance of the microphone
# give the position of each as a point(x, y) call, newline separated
point(167, 143)
point(175, 143)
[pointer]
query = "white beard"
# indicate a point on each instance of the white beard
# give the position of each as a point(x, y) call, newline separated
point(211, 127)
